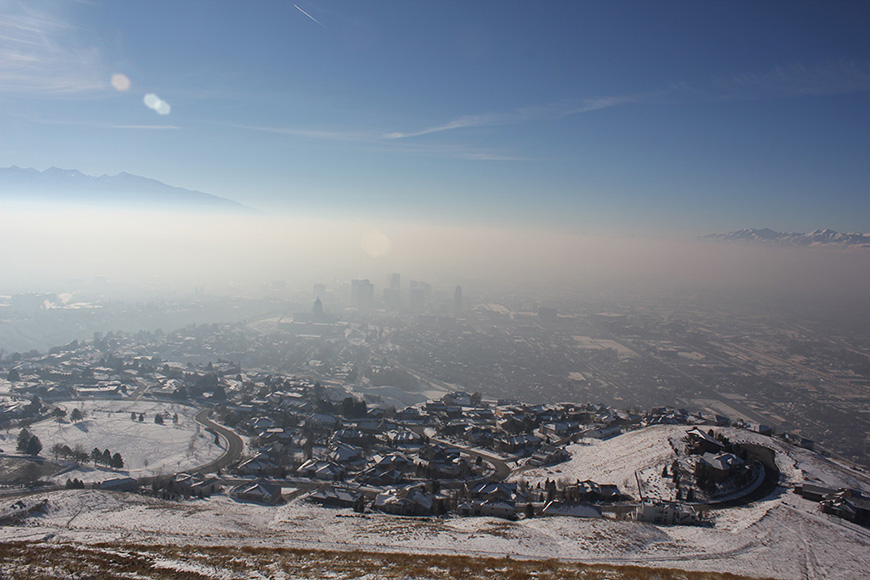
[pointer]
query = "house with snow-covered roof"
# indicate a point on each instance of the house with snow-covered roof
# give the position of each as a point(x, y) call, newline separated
point(717, 467)
point(258, 491)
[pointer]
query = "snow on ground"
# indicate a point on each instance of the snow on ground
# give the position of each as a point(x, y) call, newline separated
point(782, 537)
point(146, 447)
point(614, 460)
point(647, 450)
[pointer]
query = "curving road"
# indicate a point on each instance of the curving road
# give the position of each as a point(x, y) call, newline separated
point(499, 465)
point(234, 443)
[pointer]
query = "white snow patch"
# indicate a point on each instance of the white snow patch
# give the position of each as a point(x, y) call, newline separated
point(146, 447)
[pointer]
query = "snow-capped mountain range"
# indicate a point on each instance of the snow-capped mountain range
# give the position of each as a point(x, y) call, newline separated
point(815, 238)
point(70, 186)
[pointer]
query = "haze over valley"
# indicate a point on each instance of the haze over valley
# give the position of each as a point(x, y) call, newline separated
point(429, 290)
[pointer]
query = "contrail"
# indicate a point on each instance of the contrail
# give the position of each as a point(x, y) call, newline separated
point(308, 15)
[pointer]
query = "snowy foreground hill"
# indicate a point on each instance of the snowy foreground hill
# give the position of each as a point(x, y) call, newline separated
point(781, 536)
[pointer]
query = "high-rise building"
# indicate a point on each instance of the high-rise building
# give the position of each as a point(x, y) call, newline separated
point(417, 298)
point(419, 294)
point(392, 293)
point(362, 294)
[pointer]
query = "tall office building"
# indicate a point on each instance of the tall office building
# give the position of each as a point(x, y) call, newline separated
point(362, 294)
point(392, 293)
point(417, 299)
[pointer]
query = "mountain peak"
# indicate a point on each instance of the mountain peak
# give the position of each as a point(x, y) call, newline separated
point(124, 189)
point(818, 237)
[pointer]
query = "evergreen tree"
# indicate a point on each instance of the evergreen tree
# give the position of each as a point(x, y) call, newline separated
point(23, 439)
point(76, 415)
point(96, 456)
point(158, 418)
point(34, 446)
point(117, 461)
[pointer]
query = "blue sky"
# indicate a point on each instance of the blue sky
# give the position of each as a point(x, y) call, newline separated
point(643, 116)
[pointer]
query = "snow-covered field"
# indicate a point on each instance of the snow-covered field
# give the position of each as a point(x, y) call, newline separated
point(146, 447)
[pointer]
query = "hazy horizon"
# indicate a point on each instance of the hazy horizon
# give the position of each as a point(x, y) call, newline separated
point(235, 255)
point(600, 118)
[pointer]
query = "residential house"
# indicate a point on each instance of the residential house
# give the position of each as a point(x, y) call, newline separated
point(574, 510)
point(332, 496)
point(258, 492)
point(701, 442)
point(491, 508)
point(409, 501)
point(666, 513)
point(320, 469)
point(717, 467)
point(548, 455)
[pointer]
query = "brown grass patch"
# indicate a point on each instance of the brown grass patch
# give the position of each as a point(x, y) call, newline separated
point(118, 560)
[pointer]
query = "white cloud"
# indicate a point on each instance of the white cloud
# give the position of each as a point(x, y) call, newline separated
point(521, 115)
point(39, 55)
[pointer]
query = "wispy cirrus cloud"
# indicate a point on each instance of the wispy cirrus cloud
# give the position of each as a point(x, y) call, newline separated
point(377, 142)
point(40, 55)
point(799, 79)
point(143, 127)
point(325, 134)
point(521, 115)
point(101, 125)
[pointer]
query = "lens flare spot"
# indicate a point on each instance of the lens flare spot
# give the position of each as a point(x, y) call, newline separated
point(155, 103)
point(375, 243)
point(121, 82)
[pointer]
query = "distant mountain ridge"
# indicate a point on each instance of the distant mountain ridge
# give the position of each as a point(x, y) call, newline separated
point(71, 186)
point(824, 237)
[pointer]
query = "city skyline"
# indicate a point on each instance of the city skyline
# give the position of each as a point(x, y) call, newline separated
point(594, 118)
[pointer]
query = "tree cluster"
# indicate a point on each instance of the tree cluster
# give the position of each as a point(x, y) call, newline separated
point(106, 458)
point(353, 409)
point(78, 455)
point(28, 443)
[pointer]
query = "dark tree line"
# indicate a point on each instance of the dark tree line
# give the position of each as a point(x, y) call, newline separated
point(106, 458)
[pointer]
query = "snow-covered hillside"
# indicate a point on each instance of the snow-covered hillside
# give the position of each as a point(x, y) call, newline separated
point(146, 447)
point(616, 460)
point(782, 537)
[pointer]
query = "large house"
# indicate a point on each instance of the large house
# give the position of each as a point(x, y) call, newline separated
point(258, 492)
point(717, 467)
